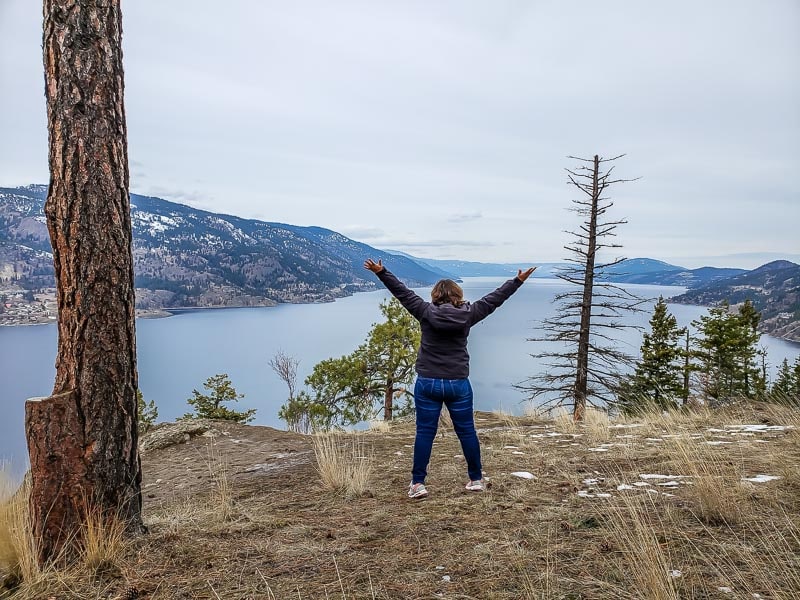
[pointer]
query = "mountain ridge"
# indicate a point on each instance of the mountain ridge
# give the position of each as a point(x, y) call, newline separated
point(187, 257)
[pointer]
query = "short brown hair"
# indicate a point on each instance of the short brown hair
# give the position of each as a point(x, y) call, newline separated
point(447, 291)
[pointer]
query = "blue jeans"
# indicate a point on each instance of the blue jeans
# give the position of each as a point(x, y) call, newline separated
point(429, 396)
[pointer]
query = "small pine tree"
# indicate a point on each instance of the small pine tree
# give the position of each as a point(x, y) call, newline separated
point(796, 379)
point(658, 378)
point(784, 384)
point(148, 412)
point(210, 406)
point(727, 352)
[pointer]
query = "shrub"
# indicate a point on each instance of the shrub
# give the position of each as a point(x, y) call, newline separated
point(210, 406)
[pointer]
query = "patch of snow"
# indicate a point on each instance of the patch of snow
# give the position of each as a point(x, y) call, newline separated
point(676, 573)
point(585, 494)
point(398, 453)
point(628, 426)
point(624, 486)
point(760, 427)
point(717, 442)
point(446, 578)
point(591, 481)
point(509, 447)
point(599, 449)
point(658, 476)
point(517, 452)
point(524, 475)
point(761, 478)
point(641, 484)
point(725, 589)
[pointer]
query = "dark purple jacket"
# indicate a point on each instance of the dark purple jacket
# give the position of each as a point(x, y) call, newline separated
point(443, 351)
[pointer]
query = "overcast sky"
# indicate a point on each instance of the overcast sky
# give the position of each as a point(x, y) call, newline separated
point(443, 128)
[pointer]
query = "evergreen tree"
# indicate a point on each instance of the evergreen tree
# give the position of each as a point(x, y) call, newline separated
point(796, 378)
point(376, 377)
point(727, 352)
point(148, 412)
point(210, 406)
point(784, 384)
point(658, 378)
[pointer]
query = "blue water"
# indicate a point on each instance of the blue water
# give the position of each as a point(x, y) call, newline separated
point(179, 353)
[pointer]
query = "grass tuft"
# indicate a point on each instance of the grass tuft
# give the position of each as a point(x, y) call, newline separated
point(222, 492)
point(344, 462)
point(646, 561)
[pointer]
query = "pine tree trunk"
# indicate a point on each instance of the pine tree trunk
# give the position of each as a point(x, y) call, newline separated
point(582, 370)
point(686, 367)
point(83, 439)
point(388, 397)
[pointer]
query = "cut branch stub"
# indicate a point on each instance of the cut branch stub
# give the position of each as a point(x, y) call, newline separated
point(58, 470)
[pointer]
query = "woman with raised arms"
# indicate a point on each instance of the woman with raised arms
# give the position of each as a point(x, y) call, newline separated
point(443, 366)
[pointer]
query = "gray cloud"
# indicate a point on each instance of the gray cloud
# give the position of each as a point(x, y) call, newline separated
point(465, 217)
point(410, 117)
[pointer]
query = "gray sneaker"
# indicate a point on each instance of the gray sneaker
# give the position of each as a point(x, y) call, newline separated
point(417, 490)
point(476, 486)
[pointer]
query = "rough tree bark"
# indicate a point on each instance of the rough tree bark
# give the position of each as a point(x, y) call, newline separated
point(388, 400)
point(582, 367)
point(82, 440)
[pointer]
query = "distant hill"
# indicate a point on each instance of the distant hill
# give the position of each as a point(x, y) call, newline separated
point(773, 288)
point(185, 257)
point(656, 272)
point(632, 270)
point(461, 268)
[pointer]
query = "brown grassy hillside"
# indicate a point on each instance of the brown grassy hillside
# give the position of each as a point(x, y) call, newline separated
point(663, 507)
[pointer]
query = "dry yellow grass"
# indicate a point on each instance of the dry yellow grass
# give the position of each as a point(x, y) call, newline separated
point(344, 462)
point(563, 420)
point(715, 491)
point(380, 426)
point(7, 488)
point(222, 495)
point(596, 424)
point(635, 524)
point(102, 542)
point(533, 539)
point(17, 546)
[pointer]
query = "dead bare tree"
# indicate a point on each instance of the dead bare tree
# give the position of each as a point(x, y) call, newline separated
point(285, 368)
point(583, 360)
point(83, 439)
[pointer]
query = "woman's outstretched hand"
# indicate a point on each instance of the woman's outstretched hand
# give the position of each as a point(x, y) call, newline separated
point(375, 267)
point(523, 275)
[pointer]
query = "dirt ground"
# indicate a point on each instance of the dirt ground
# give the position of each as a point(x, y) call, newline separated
point(239, 512)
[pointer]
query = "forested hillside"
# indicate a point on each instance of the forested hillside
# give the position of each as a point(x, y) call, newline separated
point(773, 288)
point(189, 257)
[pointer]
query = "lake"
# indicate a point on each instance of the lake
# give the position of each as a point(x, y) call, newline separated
point(177, 354)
